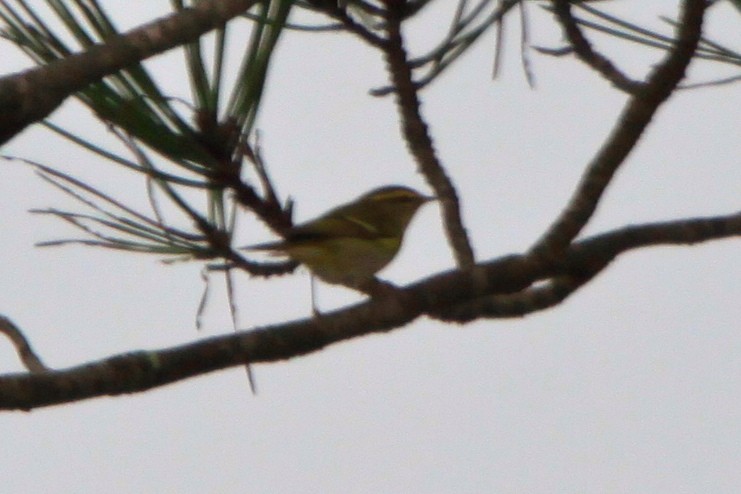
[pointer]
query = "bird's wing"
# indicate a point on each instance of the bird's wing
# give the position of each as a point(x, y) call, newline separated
point(344, 225)
point(334, 224)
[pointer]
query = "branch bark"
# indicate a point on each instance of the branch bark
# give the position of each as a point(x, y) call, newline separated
point(587, 53)
point(484, 291)
point(417, 136)
point(29, 96)
point(634, 120)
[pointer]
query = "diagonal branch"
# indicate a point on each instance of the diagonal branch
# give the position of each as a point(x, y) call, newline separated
point(635, 118)
point(29, 96)
point(417, 137)
point(436, 296)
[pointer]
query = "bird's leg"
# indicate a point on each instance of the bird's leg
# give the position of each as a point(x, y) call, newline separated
point(314, 310)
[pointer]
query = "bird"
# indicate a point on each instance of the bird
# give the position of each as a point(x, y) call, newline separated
point(350, 243)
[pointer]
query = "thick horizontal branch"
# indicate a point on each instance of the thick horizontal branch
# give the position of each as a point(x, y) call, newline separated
point(139, 371)
point(30, 96)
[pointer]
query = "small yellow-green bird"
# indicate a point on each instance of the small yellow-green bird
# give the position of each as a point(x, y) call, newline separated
point(349, 244)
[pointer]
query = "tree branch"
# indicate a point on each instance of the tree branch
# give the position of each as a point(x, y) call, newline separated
point(28, 357)
point(635, 118)
point(589, 55)
point(417, 137)
point(29, 96)
point(519, 304)
point(446, 295)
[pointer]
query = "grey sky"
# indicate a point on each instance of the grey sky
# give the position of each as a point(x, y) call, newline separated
point(632, 385)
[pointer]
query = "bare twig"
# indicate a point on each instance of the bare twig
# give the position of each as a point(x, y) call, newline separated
point(587, 54)
point(498, 47)
point(719, 82)
point(348, 24)
point(525, 46)
point(464, 33)
point(235, 317)
point(30, 360)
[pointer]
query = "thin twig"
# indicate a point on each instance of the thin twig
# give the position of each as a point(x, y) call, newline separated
point(235, 324)
point(589, 55)
point(525, 46)
point(28, 357)
point(719, 82)
point(349, 25)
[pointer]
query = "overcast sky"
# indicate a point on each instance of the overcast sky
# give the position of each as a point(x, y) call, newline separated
point(631, 385)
